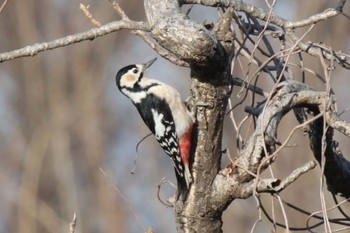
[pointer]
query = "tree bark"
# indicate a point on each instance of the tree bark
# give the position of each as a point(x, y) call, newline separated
point(198, 213)
point(210, 89)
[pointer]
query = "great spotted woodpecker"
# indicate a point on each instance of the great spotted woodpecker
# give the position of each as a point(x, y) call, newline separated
point(165, 114)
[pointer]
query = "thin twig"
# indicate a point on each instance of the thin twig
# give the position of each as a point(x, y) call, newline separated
point(263, 15)
point(119, 10)
point(137, 151)
point(87, 13)
point(339, 206)
point(167, 203)
point(288, 26)
point(326, 103)
point(124, 199)
point(73, 224)
point(233, 120)
point(3, 5)
point(310, 49)
point(283, 210)
point(258, 205)
point(270, 157)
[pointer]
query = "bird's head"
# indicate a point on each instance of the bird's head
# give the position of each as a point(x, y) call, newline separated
point(129, 76)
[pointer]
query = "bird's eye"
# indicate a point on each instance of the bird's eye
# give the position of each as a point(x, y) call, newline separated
point(135, 71)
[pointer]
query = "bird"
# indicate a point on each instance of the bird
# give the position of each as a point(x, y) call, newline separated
point(165, 114)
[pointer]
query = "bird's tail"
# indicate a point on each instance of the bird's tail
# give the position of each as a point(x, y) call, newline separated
point(183, 183)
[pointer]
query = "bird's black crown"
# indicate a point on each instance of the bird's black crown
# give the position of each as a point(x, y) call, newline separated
point(121, 72)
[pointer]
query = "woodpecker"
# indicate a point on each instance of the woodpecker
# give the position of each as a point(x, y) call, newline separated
point(164, 113)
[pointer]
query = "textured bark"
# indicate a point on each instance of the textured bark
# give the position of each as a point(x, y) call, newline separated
point(337, 168)
point(188, 40)
point(326, 150)
point(208, 101)
point(210, 90)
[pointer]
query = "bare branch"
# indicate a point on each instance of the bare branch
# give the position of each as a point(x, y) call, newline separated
point(73, 224)
point(119, 10)
point(329, 13)
point(288, 95)
point(338, 124)
point(3, 5)
point(239, 82)
point(87, 13)
point(263, 15)
point(91, 34)
point(138, 28)
point(314, 50)
point(160, 50)
point(171, 201)
point(275, 185)
point(130, 207)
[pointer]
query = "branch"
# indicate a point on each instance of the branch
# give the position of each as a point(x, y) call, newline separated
point(91, 34)
point(286, 25)
point(87, 13)
point(263, 15)
point(276, 185)
point(329, 13)
point(241, 83)
point(73, 224)
point(327, 151)
point(189, 41)
point(3, 5)
point(315, 50)
point(338, 124)
point(160, 50)
point(256, 155)
point(272, 185)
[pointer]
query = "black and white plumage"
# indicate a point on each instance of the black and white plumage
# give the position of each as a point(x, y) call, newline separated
point(165, 114)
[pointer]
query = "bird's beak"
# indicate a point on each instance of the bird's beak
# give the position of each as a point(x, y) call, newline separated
point(149, 63)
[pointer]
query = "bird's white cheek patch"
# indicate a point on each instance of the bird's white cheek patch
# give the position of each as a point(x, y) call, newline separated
point(128, 80)
point(158, 125)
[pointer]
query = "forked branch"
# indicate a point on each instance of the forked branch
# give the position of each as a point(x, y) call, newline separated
point(288, 26)
point(259, 150)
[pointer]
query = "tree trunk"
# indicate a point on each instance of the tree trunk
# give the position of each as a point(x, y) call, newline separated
point(210, 90)
point(208, 101)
